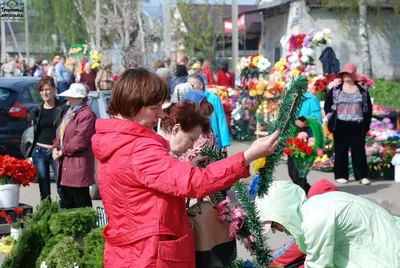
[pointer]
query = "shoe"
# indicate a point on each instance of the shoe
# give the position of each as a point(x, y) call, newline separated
point(342, 181)
point(365, 181)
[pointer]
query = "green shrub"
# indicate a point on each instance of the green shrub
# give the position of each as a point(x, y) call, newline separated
point(65, 253)
point(73, 222)
point(26, 250)
point(93, 250)
point(48, 248)
point(386, 93)
point(42, 217)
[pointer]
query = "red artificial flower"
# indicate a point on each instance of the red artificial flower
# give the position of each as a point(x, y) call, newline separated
point(297, 142)
point(18, 211)
point(3, 214)
point(309, 150)
point(9, 219)
point(251, 65)
point(290, 141)
point(1, 171)
point(288, 151)
point(330, 78)
point(303, 146)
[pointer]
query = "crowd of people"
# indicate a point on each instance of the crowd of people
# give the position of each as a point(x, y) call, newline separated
point(148, 155)
point(95, 79)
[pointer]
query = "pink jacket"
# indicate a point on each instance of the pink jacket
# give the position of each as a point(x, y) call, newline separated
point(143, 190)
point(77, 168)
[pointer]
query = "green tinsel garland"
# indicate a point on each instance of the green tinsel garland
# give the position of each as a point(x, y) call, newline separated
point(288, 110)
point(306, 163)
point(287, 115)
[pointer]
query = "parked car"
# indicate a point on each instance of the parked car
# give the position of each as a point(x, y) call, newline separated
point(18, 97)
point(98, 101)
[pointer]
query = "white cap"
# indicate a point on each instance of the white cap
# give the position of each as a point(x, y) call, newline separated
point(76, 90)
point(45, 62)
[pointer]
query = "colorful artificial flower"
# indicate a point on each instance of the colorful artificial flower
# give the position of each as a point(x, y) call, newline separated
point(259, 163)
point(263, 64)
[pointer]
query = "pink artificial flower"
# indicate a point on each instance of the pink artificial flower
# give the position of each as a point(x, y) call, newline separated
point(302, 135)
point(233, 228)
point(320, 152)
point(237, 212)
point(222, 218)
point(311, 141)
point(223, 203)
point(335, 83)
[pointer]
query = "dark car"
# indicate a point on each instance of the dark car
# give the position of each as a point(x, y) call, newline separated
point(18, 97)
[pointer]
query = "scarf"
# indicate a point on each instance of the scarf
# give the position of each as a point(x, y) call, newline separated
point(67, 117)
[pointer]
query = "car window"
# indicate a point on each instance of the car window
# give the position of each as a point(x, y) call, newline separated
point(93, 103)
point(34, 92)
point(4, 94)
point(26, 96)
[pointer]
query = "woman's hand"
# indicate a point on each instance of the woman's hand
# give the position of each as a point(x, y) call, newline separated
point(261, 148)
point(56, 154)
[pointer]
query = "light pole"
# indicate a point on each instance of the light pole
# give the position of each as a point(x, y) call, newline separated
point(235, 39)
point(26, 33)
point(167, 27)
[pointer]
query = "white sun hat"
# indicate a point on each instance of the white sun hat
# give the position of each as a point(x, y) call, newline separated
point(76, 90)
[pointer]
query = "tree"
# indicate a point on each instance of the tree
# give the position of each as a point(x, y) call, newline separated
point(199, 27)
point(74, 21)
point(362, 9)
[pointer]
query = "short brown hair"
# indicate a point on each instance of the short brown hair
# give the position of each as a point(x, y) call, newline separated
point(158, 64)
point(187, 114)
point(47, 80)
point(135, 89)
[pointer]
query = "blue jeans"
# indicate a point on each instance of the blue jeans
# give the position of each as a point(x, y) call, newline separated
point(43, 159)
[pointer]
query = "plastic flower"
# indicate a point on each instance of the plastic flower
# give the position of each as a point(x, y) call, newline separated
point(259, 163)
point(256, 60)
point(233, 228)
point(295, 72)
point(320, 152)
point(237, 212)
point(302, 135)
point(263, 64)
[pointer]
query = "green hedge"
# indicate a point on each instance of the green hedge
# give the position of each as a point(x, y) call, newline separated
point(73, 222)
point(386, 93)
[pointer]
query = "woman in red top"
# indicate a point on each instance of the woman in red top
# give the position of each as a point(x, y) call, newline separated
point(208, 72)
point(143, 187)
point(224, 77)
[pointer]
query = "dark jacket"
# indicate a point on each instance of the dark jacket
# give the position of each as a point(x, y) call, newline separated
point(76, 166)
point(367, 107)
point(60, 109)
point(329, 61)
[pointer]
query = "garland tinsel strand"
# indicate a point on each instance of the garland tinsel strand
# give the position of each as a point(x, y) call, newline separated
point(288, 111)
point(260, 252)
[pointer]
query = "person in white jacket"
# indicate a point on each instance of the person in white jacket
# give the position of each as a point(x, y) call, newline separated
point(335, 229)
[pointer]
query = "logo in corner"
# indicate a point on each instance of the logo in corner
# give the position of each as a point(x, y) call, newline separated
point(12, 10)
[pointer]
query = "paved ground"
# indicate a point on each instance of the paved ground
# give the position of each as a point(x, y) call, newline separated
point(384, 192)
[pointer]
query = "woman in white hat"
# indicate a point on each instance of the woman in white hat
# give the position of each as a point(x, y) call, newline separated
point(72, 149)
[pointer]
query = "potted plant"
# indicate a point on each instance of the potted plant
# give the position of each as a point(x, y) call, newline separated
point(13, 173)
point(16, 225)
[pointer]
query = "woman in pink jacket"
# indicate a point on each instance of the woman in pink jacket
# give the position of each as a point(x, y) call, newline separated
point(143, 187)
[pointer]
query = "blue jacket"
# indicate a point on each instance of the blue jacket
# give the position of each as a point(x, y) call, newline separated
point(218, 121)
point(310, 107)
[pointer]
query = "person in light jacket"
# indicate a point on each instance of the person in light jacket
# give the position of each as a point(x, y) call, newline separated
point(334, 229)
point(143, 187)
point(72, 149)
point(219, 124)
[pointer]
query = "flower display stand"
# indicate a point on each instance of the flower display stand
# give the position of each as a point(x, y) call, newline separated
point(4, 226)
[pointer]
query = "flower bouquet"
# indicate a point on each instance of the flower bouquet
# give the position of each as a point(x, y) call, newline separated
point(13, 173)
point(319, 85)
point(16, 171)
point(304, 149)
point(16, 224)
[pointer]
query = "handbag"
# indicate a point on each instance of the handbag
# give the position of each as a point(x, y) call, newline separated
point(214, 248)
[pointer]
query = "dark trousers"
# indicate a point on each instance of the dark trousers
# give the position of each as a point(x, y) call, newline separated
point(349, 135)
point(43, 160)
point(294, 174)
point(75, 197)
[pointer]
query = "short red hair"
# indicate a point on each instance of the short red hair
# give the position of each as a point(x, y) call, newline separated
point(187, 114)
